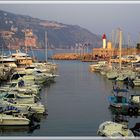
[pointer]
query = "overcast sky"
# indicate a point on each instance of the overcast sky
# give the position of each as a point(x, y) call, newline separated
point(98, 18)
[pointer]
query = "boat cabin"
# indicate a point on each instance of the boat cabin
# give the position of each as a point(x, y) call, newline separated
point(22, 58)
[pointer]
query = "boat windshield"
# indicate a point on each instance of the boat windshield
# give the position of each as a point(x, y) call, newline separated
point(29, 67)
point(121, 99)
point(9, 96)
point(23, 97)
point(120, 90)
point(13, 85)
point(38, 71)
point(3, 95)
point(117, 135)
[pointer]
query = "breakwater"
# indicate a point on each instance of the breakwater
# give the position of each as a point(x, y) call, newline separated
point(73, 56)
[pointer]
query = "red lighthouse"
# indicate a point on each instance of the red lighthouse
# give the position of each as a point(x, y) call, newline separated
point(104, 41)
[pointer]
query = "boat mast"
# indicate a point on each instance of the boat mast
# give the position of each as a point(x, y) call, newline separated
point(46, 45)
point(129, 41)
point(112, 38)
point(120, 48)
point(112, 41)
point(26, 37)
point(26, 50)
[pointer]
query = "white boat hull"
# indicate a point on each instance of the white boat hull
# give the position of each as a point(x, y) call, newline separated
point(12, 120)
point(38, 108)
point(112, 129)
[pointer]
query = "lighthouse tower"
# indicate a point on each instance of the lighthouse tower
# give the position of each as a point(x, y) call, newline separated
point(104, 41)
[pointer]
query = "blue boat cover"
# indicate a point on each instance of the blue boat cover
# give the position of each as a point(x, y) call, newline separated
point(117, 99)
point(120, 90)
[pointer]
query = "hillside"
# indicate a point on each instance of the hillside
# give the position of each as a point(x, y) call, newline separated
point(59, 35)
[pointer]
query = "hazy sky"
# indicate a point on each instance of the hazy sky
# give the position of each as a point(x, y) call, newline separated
point(98, 18)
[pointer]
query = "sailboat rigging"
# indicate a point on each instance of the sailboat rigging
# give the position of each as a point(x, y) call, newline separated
point(46, 45)
point(120, 49)
point(46, 48)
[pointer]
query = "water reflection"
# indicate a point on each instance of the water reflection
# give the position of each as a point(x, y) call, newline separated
point(77, 104)
point(33, 128)
point(16, 130)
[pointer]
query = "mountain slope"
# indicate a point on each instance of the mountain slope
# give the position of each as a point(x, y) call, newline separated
point(59, 35)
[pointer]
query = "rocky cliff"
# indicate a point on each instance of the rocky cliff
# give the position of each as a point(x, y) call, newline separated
point(59, 35)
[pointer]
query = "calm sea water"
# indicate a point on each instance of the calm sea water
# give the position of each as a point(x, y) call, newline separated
point(43, 54)
point(77, 104)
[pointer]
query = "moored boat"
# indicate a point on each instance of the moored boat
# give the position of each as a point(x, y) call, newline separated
point(136, 81)
point(98, 66)
point(112, 129)
point(112, 75)
point(13, 120)
point(15, 97)
point(135, 99)
point(118, 99)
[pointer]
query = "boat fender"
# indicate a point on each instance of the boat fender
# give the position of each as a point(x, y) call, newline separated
point(1, 120)
point(29, 108)
point(136, 110)
point(1, 109)
point(130, 111)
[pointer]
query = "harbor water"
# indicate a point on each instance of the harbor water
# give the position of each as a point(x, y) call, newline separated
point(77, 104)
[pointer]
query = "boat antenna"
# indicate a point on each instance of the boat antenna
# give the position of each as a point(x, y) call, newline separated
point(46, 45)
point(112, 38)
point(112, 41)
point(129, 41)
point(120, 48)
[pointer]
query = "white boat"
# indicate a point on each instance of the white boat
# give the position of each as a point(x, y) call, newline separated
point(37, 74)
point(136, 66)
point(97, 66)
point(13, 120)
point(48, 76)
point(106, 69)
point(112, 129)
point(31, 78)
point(37, 78)
point(7, 107)
point(137, 81)
point(21, 87)
point(130, 58)
point(6, 60)
point(111, 75)
point(37, 107)
point(18, 76)
point(45, 67)
point(22, 58)
point(135, 99)
point(121, 77)
point(125, 73)
point(29, 75)
point(14, 97)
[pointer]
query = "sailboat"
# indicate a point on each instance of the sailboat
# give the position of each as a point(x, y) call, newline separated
point(108, 68)
point(51, 66)
point(115, 72)
point(125, 72)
